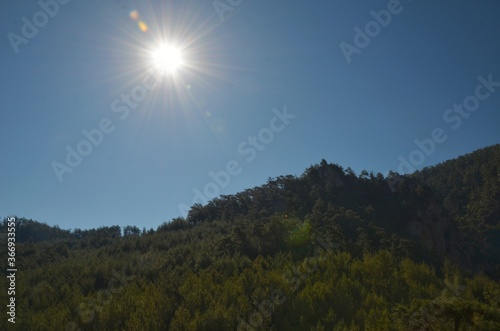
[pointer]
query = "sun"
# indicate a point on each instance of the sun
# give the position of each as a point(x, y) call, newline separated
point(167, 58)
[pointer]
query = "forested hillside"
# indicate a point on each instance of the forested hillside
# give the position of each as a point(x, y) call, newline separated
point(469, 189)
point(327, 250)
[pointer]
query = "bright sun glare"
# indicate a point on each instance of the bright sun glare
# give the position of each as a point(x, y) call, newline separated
point(167, 58)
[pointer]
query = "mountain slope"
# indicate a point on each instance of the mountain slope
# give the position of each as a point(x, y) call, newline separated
point(469, 189)
point(327, 250)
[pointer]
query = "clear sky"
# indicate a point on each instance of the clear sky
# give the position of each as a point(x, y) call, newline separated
point(93, 134)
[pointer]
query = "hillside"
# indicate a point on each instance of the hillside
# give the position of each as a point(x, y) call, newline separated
point(468, 188)
point(327, 250)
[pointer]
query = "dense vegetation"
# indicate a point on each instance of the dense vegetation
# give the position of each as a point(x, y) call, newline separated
point(469, 189)
point(327, 250)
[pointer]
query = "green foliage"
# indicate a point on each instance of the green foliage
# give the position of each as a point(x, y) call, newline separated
point(469, 189)
point(328, 250)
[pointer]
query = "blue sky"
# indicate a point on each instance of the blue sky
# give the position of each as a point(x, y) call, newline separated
point(270, 70)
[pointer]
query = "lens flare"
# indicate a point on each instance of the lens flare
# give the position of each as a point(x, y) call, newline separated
point(134, 14)
point(143, 26)
point(167, 58)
